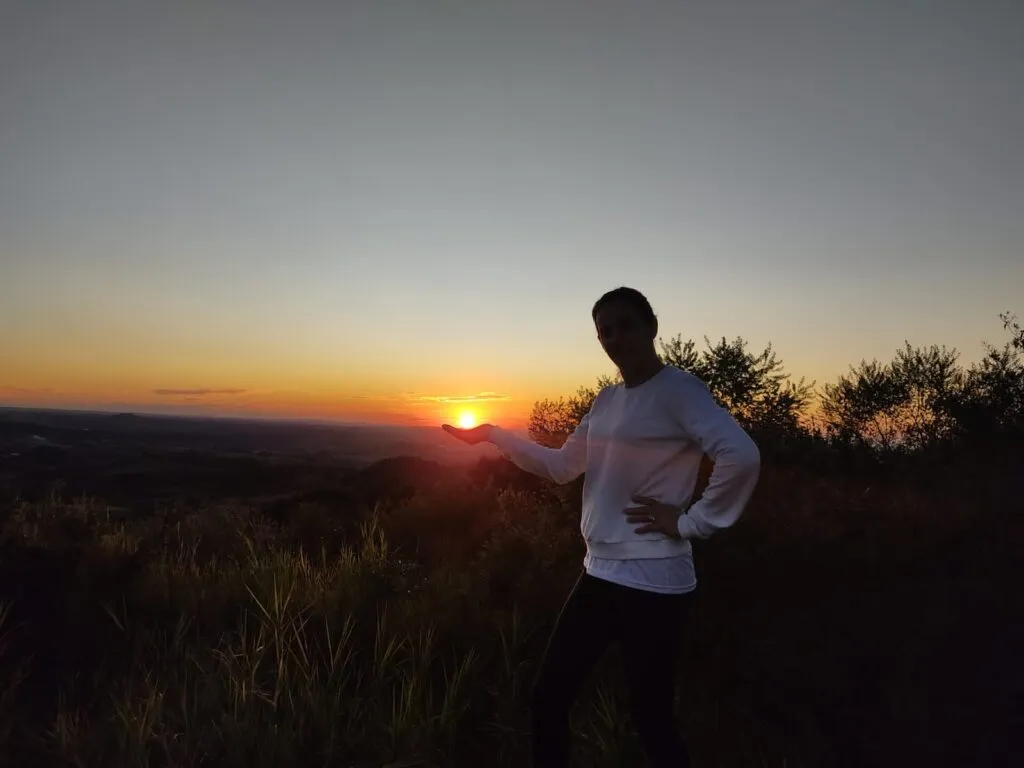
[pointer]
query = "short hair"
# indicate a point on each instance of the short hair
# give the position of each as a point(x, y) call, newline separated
point(630, 296)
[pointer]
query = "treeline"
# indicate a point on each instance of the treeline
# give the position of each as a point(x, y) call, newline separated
point(920, 407)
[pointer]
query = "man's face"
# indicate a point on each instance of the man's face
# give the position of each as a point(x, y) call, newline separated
point(625, 335)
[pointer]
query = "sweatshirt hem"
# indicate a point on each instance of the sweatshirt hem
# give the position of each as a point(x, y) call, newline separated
point(637, 550)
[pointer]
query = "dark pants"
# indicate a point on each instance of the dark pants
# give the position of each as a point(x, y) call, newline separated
point(647, 627)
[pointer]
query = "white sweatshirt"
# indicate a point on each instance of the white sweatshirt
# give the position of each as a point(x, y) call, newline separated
point(648, 440)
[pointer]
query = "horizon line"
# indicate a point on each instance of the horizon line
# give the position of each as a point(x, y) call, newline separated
point(216, 417)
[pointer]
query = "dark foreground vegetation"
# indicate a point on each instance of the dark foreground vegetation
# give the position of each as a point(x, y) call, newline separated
point(866, 611)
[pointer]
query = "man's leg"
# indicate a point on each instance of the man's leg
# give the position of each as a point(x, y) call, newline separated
point(579, 639)
point(650, 630)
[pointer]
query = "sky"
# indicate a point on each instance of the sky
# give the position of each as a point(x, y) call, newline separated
point(387, 210)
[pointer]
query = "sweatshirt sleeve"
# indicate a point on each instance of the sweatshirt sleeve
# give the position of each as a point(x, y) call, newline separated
point(560, 465)
point(737, 460)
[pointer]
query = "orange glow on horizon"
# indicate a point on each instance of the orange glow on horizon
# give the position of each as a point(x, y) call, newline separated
point(398, 409)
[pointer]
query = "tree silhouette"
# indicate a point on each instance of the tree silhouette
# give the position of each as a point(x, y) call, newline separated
point(753, 387)
point(922, 398)
point(1017, 333)
point(992, 398)
point(552, 421)
point(860, 407)
point(903, 404)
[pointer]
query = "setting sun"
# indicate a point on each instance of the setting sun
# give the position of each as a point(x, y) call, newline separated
point(467, 419)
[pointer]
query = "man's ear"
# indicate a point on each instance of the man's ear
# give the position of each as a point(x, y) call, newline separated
point(654, 329)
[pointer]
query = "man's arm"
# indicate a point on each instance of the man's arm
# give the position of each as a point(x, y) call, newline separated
point(736, 457)
point(560, 465)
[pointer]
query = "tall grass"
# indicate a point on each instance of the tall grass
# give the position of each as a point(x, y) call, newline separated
point(211, 637)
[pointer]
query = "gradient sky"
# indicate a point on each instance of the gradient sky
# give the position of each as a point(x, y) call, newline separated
point(365, 210)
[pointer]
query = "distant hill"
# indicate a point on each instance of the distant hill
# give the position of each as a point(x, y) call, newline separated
point(398, 477)
point(138, 460)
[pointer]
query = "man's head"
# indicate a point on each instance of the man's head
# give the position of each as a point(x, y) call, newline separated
point(626, 326)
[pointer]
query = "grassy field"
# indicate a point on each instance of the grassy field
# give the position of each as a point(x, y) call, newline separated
point(837, 624)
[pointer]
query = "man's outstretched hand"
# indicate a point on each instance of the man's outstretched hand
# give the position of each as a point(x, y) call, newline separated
point(478, 434)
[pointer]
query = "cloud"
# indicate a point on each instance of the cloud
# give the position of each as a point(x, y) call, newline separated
point(479, 397)
point(418, 397)
point(197, 392)
point(26, 391)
